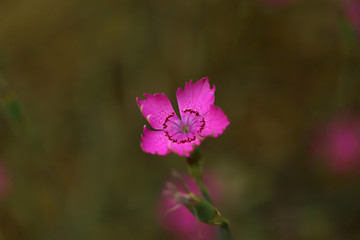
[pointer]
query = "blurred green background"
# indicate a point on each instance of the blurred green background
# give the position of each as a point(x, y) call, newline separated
point(70, 128)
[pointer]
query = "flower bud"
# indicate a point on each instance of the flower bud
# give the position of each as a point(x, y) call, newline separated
point(205, 211)
point(202, 209)
point(182, 215)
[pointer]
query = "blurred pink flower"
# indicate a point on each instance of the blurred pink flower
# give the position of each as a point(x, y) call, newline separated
point(180, 223)
point(276, 2)
point(352, 11)
point(338, 142)
point(199, 118)
point(4, 184)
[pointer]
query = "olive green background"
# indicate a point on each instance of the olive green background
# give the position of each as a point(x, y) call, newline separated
point(70, 127)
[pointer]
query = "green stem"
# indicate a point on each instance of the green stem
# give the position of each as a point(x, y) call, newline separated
point(196, 171)
point(225, 233)
point(205, 192)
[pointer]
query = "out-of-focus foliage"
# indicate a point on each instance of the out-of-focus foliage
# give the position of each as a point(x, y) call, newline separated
point(70, 127)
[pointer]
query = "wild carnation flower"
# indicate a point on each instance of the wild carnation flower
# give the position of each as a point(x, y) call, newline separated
point(199, 118)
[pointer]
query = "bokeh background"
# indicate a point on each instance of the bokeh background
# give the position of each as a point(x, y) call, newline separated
point(286, 74)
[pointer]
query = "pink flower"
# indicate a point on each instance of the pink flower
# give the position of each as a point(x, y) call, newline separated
point(181, 223)
point(338, 142)
point(199, 118)
point(352, 11)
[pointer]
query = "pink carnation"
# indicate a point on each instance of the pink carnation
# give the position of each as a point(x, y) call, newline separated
point(181, 223)
point(199, 118)
point(352, 11)
point(338, 142)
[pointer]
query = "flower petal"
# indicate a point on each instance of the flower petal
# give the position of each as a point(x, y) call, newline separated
point(155, 142)
point(196, 96)
point(215, 122)
point(156, 108)
point(184, 149)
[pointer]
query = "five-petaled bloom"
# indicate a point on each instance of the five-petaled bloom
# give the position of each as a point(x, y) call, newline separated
point(199, 118)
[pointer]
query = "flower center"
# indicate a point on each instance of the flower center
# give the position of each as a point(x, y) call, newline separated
point(185, 130)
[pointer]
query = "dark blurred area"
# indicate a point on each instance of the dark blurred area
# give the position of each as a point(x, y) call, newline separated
point(286, 74)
